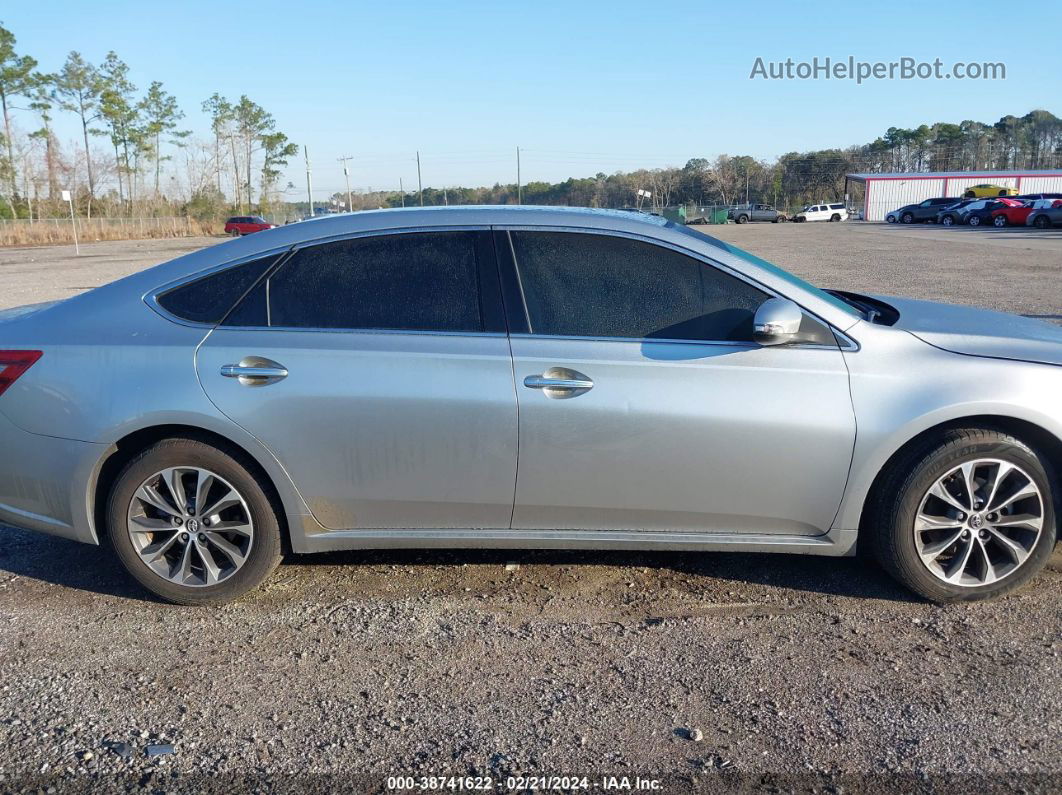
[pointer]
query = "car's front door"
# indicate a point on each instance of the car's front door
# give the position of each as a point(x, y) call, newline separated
point(644, 405)
point(377, 369)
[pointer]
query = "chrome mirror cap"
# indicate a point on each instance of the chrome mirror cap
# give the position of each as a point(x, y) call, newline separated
point(777, 322)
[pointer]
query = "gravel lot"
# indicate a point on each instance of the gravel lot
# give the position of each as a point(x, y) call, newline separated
point(706, 672)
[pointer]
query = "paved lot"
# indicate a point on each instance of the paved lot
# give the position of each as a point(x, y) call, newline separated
point(799, 674)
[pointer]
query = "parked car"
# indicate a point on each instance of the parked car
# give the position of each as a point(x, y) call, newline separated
point(987, 190)
point(523, 377)
point(956, 213)
point(921, 212)
point(983, 215)
point(835, 211)
point(1018, 215)
point(1045, 217)
point(755, 212)
point(246, 224)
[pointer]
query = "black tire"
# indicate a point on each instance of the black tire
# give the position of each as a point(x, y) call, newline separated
point(1002, 193)
point(890, 219)
point(782, 219)
point(266, 547)
point(907, 218)
point(899, 495)
point(947, 220)
point(968, 195)
point(835, 217)
point(999, 221)
point(742, 219)
point(974, 220)
point(1041, 222)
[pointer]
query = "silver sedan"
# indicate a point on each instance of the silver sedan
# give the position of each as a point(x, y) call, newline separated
point(524, 377)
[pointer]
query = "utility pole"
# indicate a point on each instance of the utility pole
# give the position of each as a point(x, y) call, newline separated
point(519, 188)
point(402, 190)
point(420, 185)
point(309, 188)
point(746, 186)
point(346, 176)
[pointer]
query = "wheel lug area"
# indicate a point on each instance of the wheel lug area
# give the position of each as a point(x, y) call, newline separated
point(177, 521)
point(185, 537)
point(201, 538)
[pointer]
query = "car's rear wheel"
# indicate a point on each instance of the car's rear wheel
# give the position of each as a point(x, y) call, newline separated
point(1000, 220)
point(907, 218)
point(1041, 222)
point(974, 220)
point(742, 219)
point(969, 515)
point(192, 523)
point(835, 217)
point(234, 233)
point(1002, 193)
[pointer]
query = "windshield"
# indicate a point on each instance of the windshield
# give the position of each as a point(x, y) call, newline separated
point(774, 270)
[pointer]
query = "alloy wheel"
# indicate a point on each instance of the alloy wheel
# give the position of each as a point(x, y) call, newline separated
point(979, 523)
point(190, 526)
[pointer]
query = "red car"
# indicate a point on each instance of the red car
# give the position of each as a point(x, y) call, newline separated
point(1017, 214)
point(246, 224)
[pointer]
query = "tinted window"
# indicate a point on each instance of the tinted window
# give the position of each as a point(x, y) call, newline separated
point(602, 286)
point(418, 281)
point(207, 300)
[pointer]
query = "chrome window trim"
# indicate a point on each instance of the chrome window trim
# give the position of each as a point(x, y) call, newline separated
point(851, 344)
point(402, 331)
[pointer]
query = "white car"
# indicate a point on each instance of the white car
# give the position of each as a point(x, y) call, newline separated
point(824, 211)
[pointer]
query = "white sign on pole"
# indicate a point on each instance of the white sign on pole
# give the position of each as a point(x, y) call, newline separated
point(73, 224)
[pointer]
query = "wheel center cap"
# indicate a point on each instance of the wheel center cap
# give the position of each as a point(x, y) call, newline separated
point(976, 521)
point(192, 525)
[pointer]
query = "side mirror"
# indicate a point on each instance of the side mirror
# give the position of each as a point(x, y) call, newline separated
point(777, 322)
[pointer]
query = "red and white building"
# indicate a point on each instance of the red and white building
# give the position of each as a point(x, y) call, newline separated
point(883, 193)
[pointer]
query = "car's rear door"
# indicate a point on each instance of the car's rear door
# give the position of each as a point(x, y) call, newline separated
point(378, 371)
point(644, 404)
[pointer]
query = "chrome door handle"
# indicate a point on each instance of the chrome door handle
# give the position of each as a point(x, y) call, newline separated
point(560, 382)
point(255, 371)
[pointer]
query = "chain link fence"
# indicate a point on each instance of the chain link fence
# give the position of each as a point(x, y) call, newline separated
point(57, 231)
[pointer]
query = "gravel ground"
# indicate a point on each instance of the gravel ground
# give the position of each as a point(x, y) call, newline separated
point(706, 672)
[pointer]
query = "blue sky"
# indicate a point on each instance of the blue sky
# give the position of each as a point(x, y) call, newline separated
point(582, 87)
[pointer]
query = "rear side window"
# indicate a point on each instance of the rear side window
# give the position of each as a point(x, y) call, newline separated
point(585, 285)
point(416, 281)
point(207, 300)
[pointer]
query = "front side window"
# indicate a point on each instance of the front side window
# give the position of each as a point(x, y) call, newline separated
point(421, 281)
point(587, 285)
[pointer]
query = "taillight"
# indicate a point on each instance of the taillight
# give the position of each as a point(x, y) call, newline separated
point(15, 363)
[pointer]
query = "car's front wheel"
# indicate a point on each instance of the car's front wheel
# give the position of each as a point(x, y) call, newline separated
point(969, 515)
point(947, 220)
point(975, 220)
point(192, 523)
point(1041, 222)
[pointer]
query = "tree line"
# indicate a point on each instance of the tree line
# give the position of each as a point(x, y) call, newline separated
point(1032, 141)
point(143, 131)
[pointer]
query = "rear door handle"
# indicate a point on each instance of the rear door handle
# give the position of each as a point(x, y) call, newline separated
point(560, 382)
point(255, 371)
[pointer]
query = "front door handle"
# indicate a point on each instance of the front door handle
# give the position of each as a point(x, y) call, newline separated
point(560, 382)
point(255, 371)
